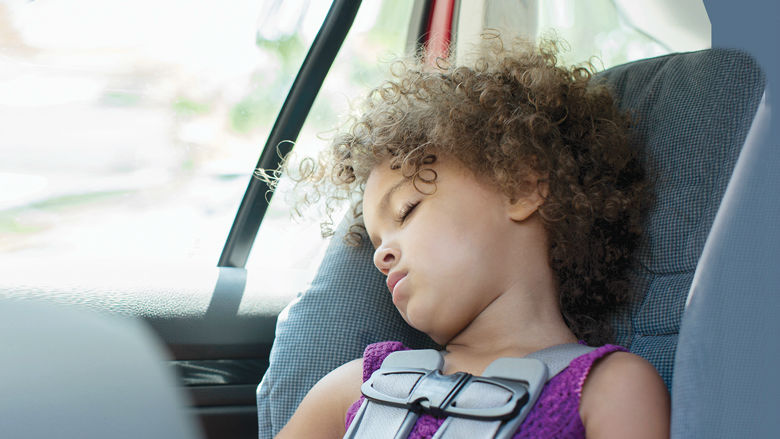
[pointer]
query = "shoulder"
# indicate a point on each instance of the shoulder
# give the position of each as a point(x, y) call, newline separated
point(322, 411)
point(623, 396)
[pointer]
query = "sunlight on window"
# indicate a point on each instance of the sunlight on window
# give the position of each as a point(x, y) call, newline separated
point(360, 65)
point(131, 129)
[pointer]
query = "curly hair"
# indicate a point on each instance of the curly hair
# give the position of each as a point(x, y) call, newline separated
point(515, 114)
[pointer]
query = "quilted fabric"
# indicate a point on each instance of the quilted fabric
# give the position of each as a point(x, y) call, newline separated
point(692, 113)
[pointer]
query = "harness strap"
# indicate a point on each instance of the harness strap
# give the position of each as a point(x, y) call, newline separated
point(558, 357)
point(491, 406)
point(535, 369)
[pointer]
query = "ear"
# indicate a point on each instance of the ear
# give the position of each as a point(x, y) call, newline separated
point(521, 208)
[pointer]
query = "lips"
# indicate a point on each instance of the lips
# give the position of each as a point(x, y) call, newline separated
point(393, 278)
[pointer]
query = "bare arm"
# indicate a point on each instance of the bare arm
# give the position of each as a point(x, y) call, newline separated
point(321, 413)
point(624, 397)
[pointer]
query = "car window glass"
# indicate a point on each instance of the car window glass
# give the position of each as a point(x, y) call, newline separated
point(377, 37)
point(131, 129)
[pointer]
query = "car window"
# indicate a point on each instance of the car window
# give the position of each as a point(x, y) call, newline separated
point(130, 130)
point(377, 37)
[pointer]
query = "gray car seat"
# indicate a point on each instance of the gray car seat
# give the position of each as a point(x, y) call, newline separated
point(726, 383)
point(69, 372)
point(693, 112)
point(728, 351)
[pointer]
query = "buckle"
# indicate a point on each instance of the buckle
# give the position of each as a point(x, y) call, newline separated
point(460, 394)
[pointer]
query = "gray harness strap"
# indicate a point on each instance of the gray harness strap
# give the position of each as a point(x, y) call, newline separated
point(558, 357)
point(491, 406)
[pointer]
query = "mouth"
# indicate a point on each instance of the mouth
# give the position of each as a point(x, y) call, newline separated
point(393, 279)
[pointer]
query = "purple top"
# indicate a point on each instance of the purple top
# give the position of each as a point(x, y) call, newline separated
point(556, 413)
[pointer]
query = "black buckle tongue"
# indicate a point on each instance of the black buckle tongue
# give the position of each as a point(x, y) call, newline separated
point(434, 392)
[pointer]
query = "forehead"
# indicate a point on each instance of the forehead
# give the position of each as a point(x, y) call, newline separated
point(381, 179)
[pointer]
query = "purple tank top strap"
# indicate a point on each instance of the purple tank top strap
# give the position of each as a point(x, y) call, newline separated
point(582, 365)
point(375, 354)
point(557, 411)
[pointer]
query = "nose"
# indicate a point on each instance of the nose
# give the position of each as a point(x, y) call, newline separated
point(385, 257)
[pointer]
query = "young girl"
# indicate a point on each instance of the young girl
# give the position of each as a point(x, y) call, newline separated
point(504, 202)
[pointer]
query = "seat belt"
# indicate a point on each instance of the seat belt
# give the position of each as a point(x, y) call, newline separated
point(493, 405)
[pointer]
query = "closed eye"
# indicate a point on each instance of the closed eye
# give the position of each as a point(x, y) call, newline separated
point(406, 210)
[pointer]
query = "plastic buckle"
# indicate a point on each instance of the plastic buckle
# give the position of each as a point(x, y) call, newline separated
point(410, 382)
point(438, 394)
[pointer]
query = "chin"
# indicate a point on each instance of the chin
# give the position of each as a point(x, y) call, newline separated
point(422, 322)
point(440, 339)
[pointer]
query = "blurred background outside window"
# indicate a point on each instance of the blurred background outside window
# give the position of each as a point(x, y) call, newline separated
point(130, 129)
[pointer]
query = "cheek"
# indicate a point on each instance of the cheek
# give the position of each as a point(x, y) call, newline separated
point(443, 230)
point(446, 246)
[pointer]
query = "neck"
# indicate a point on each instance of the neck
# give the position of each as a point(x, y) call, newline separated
point(524, 315)
point(517, 323)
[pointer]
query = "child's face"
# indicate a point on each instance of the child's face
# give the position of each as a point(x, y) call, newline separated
point(447, 254)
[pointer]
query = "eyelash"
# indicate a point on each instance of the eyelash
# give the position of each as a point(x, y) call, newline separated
point(406, 210)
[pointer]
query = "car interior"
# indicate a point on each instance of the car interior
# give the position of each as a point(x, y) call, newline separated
point(100, 349)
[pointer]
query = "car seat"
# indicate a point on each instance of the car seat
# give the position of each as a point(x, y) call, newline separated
point(693, 112)
point(70, 372)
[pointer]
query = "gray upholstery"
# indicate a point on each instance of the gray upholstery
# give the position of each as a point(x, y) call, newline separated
point(726, 383)
point(70, 373)
point(693, 112)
